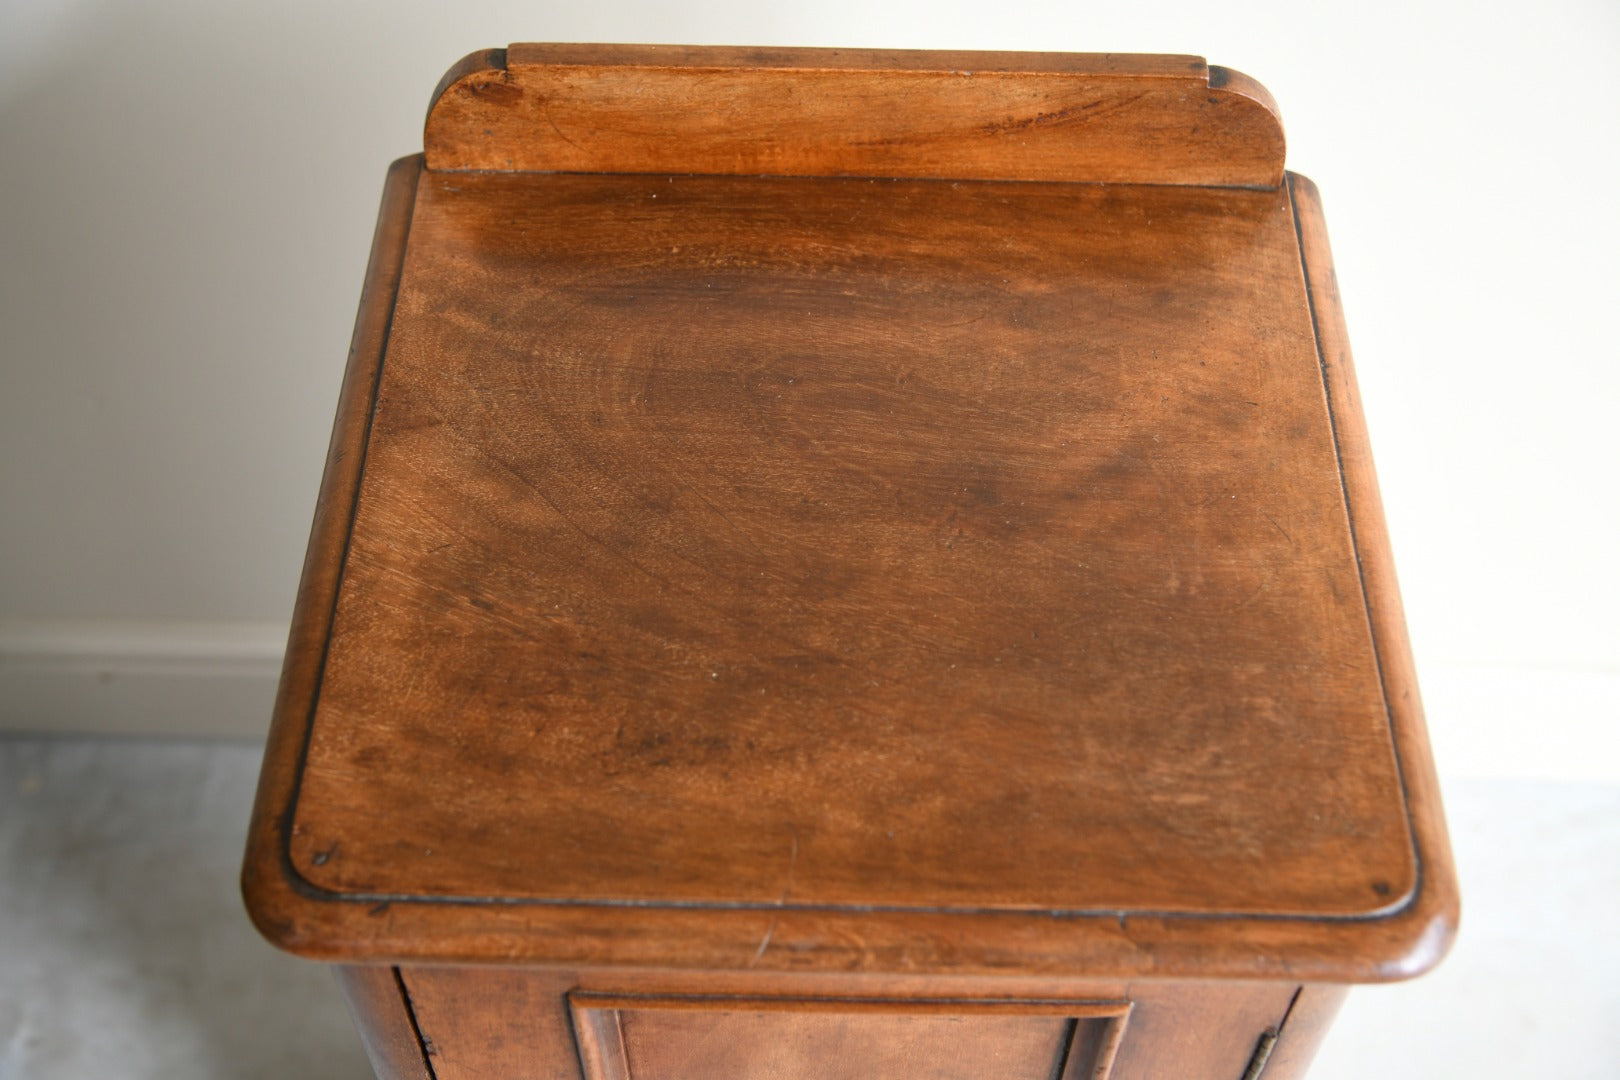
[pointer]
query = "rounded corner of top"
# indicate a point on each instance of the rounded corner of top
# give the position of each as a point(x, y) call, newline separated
point(472, 73)
point(480, 62)
point(1233, 87)
point(272, 902)
point(1420, 935)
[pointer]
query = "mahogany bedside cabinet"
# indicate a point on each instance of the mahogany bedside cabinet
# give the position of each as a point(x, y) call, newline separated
point(846, 565)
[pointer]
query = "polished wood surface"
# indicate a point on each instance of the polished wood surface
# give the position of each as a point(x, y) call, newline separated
point(930, 597)
point(853, 112)
point(759, 611)
point(953, 528)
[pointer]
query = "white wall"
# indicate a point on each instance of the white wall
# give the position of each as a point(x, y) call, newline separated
point(187, 192)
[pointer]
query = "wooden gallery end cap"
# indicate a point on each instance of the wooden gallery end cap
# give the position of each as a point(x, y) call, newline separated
point(851, 511)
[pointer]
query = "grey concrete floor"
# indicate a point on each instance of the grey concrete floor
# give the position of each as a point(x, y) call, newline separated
point(124, 951)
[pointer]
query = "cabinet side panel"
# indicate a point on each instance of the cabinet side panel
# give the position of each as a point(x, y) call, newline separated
point(485, 1022)
point(1302, 1034)
point(381, 1013)
point(1198, 1031)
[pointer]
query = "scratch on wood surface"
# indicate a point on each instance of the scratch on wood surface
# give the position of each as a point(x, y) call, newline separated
point(1280, 529)
point(546, 111)
point(793, 862)
point(787, 891)
point(765, 942)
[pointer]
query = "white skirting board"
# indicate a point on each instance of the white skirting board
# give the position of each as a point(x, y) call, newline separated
point(218, 679)
point(139, 677)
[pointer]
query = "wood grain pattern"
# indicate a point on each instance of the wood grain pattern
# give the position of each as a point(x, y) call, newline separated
point(962, 560)
point(801, 575)
point(838, 112)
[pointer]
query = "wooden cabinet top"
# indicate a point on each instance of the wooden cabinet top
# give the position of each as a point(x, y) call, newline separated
point(798, 509)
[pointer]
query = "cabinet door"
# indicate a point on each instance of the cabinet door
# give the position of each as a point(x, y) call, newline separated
point(702, 1038)
point(472, 1023)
